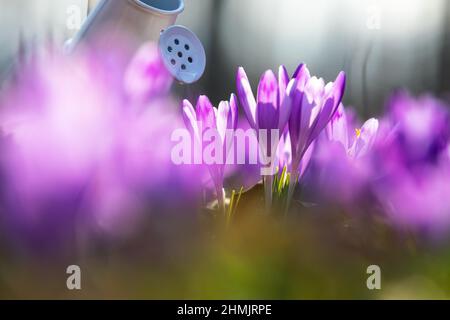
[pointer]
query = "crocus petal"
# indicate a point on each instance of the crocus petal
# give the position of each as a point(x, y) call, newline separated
point(234, 111)
point(190, 118)
point(366, 138)
point(322, 119)
point(296, 96)
point(337, 129)
point(206, 113)
point(311, 107)
point(300, 71)
point(312, 103)
point(233, 119)
point(284, 113)
point(329, 107)
point(227, 116)
point(268, 88)
point(315, 89)
point(302, 76)
point(296, 90)
point(339, 88)
point(284, 152)
point(224, 119)
point(283, 80)
point(267, 112)
point(297, 71)
point(246, 97)
point(306, 159)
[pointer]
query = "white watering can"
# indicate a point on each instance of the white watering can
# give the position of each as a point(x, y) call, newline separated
point(142, 21)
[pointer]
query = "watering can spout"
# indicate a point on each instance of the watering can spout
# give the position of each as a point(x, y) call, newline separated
point(142, 21)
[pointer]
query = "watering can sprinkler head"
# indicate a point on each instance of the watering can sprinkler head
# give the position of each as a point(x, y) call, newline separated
point(182, 53)
point(142, 21)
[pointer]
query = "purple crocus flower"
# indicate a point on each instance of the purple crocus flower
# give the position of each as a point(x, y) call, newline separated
point(339, 128)
point(365, 138)
point(342, 170)
point(205, 119)
point(303, 102)
point(356, 141)
point(268, 115)
point(313, 106)
point(271, 109)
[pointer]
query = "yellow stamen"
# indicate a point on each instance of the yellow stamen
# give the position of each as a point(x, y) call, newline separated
point(358, 132)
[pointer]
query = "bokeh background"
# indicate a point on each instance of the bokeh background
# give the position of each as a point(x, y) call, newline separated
point(381, 44)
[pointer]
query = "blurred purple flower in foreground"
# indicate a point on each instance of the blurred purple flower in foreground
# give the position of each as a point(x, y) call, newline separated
point(146, 76)
point(78, 149)
point(220, 123)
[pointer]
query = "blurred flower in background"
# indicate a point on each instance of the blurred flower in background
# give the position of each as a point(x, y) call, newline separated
point(412, 162)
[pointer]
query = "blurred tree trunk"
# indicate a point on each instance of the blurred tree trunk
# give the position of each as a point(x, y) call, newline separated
point(215, 59)
point(444, 83)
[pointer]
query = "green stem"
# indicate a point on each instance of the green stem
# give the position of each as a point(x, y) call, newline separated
point(268, 188)
point(291, 189)
point(221, 198)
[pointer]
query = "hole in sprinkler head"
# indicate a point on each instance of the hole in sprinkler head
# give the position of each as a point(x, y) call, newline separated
point(186, 46)
point(166, 5)
point(180, 54)
point(183, 67)
point(173, 62)
point(190, 60)
point(177, 42)
point(169, 49)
